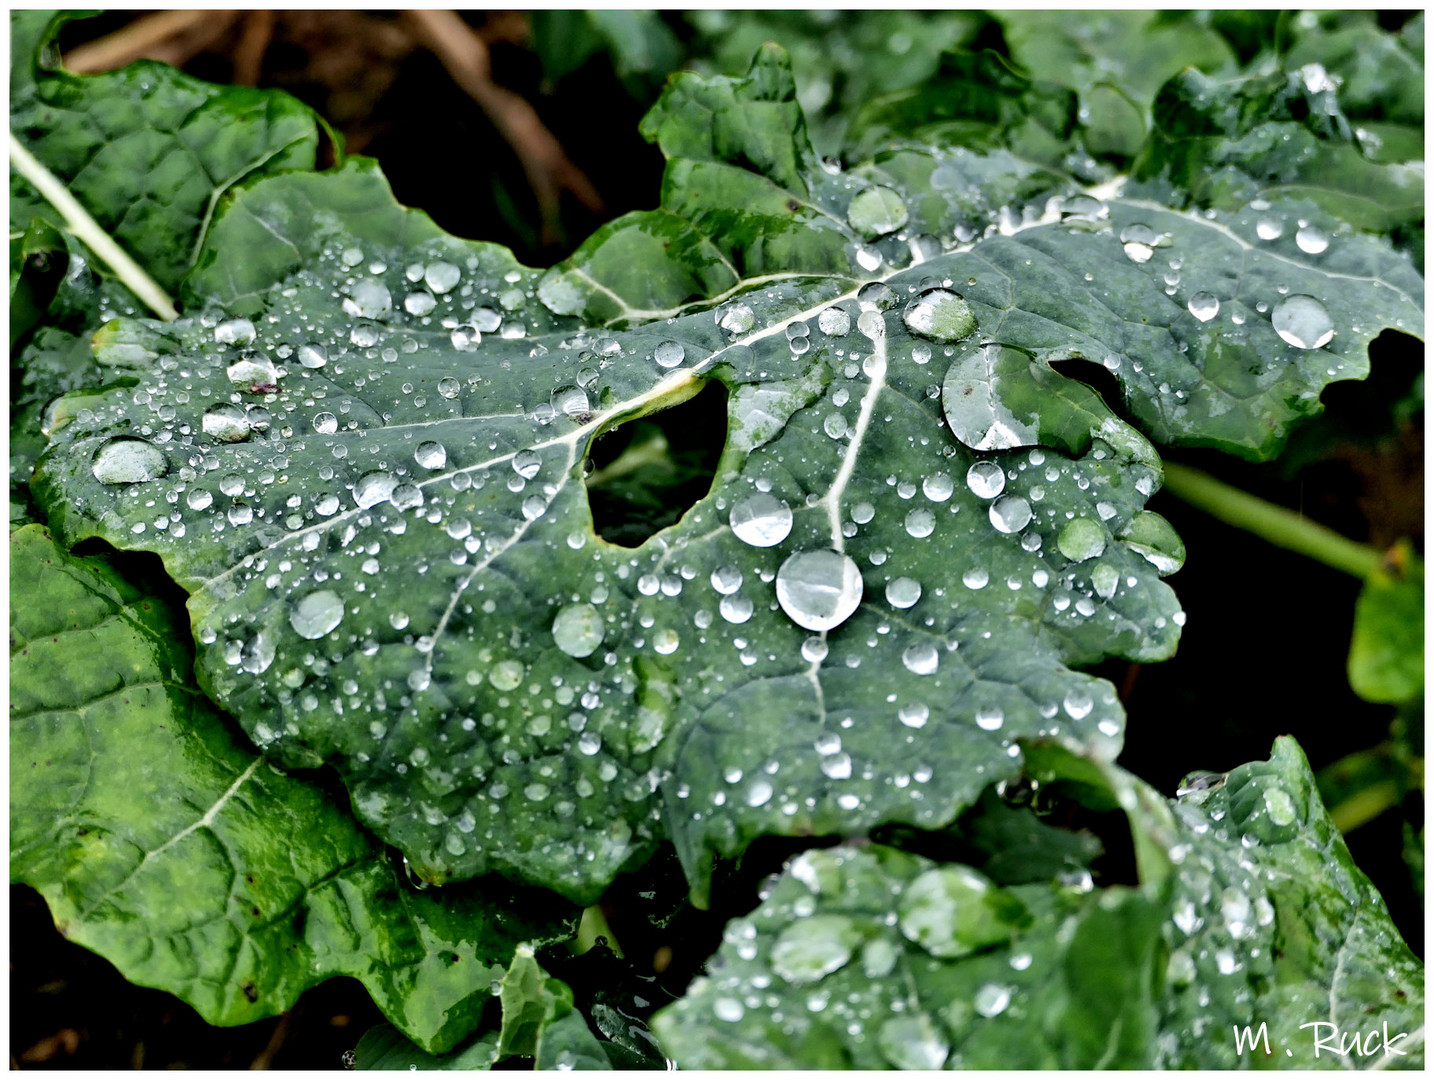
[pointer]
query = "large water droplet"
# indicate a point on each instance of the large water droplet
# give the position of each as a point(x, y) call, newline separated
point(834, 322)
point(948, 911)
point(374, 488)
point(913, 1042)
point(317, 614)
point(761, 520)
point(903, 592)
point(737, 319)
point(914, 714)
point(526, 463)
point(819, 590)
point(1010, 514)
point(726, 579)
point(441, 276)
point(941, 315)
point(369, 299)
point(1204, 306)
point(431, 455)
point(313, 355)
point(1303, 321)
point(1311, 240)
point(325, 423)
point(992, 999)
point(578, 630)
point(876, 212)
point(128, 461)
point(1139, 242)
point(938, 488)
point(986, 479)
point(736, 609)
point(1081, 539)
point(921, 658)
point(971, 398)
point(419, 303)
point(254, 373)
point(669, 354)
point(226, 422)
point(812, 948)
point(234, 332)
point(569, 400)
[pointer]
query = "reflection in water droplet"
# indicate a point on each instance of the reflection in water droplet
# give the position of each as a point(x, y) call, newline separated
point(938, 488)
point(569, 400)
point(449, 387)
point(809, 949)
point(1078, 704)
point(736, 609)
point(1010, 514)
point(419, 303)
point(128, 461)
point(992, 999)
point(761, 520)
point(990, 718)
point(1311, 240)
point(669, 354)
point(1303, 321)
point(941, 315)
point(814, 650)
point(431, 455)
point(1204, 306)
point(876, 212)
point(835, 322)
point(370, 299)
point(1269, 228)
point(526, 463)
point(921, 658)
point(578, 630)
point(985, 479)
point(374, 488)
point(317, 614)
point(975, 578)
point(903, 592)
point(312, 355)
point(234, 332)
point(255, 373)
point(1081, 539)
point(199, 499)
point(913, 1042)
point(441, 276)
point(737, 319)
point(914, 714)
point(727, 579)
point(226, 422)
point(819, 590)
point(325, 423)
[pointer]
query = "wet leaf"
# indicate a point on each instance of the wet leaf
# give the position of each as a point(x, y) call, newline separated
point(1386, 656)
point(362, 454)
point(168, 846)
point(1249, 911)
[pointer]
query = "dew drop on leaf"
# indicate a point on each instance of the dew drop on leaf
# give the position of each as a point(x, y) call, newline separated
point(726, 579)
point(370, 299)
point(938, 488)
point(1311, 240)
point(317, 614)
point(1303, 321)
point(903, 592)
point(431, 455)
point(1204, 306)
point(253, 371)
point(819, 590)
point(921, 658)
point(736, 609)
point(325, 423)
point(809, 949)
point(578, 630)
point(1078, 704)
point(985, 479)
point(449, 387)
point(441, 277)
point(374, 488)
point(992, 999)
point(834, 322)
point(1081, 539)
point(313, 355)
point(912, 1042)
point(914, 714)
point(814, 650)
point(526, 463)
point(876, 212)
point(1010, 514)
point(234, 332)
point(737, 319)
point(920, 523)
point(669, 354)
point(406, 496)
point(199, 499)
point(761, 520)
point(1269, 228)
point(419, 303)
point(226, 422)
point(941, 315)
point(128, 461)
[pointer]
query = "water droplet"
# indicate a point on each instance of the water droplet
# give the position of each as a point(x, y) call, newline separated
point(834, 322)
point(914, 714)
point(903, 592)
point(921, 658)
point(992, 999)
point(1078, 704)
point(526, 463)
point(431, 455)
point(1303, 321)
point(325, 423)
point(406, 496)
point(949, 913)
point(1204, 306)
point(226, 422)
point(972, 401)
point(578, 630)
point(441, 277)
point(1269, 228)
point(737, 319)
point(728, 1009)
point(313, 355)
point(761, 520)
point(1140, 242)
point(941, 315)
point(814, 650)
point(876, 212)
point(369, 299)
point(669, 354)
point(985, 479)
point(374, 488)
point(199, 499)
point(938, 488)
point(1010, 514)
point(1311, 240)
point(913, 1042)
point(234, 332)
point(569, 400)
point(128, 461)
point(975, 578)
point(1081, 539)
point(449, 387)
point(920, 523)
point(317, 614)
point(809, 949)
point(990, 718)
point(254, 372)
point(726, 579)
point(419, 303)
point(819, 590)
point(1280, 807)
point(736, 609)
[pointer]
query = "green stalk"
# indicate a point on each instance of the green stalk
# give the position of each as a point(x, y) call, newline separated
point(1281, 527)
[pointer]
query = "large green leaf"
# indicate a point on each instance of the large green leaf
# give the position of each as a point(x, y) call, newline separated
point(163, 843)
point(147, 150)
point(1250, 911)
point(391, 555)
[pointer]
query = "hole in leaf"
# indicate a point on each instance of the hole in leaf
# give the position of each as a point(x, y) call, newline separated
point(1098, 377)
point(647, 473)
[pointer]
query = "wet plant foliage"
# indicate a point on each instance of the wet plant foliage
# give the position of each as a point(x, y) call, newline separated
point(468, 634)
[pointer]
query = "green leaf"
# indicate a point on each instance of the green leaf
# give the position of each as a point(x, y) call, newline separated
point(1226, 143)
point(1381, 75)
point(162, 843)
point(1386, 655)
point(1249, 911)
point(499, 689)
point(641, 46)
point(147, 150)
point(1115, 60)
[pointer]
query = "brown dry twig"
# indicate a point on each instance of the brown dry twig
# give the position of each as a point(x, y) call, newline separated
point(254, 37)
point(464, 54)
point(174, 37)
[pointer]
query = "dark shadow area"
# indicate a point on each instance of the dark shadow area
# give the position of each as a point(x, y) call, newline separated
point(648, 473)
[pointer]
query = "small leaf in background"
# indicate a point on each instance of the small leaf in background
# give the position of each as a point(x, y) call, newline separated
point(1386, 655)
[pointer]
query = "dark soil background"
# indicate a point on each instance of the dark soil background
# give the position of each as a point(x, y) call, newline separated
point(1263, 652)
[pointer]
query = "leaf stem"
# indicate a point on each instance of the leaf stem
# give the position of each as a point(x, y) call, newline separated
point(1364, 806)
point(593, 926)
point(79, 222)
point(1281, 527)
